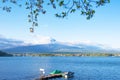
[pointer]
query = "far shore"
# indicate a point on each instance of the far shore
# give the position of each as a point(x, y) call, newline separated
point(68, 54)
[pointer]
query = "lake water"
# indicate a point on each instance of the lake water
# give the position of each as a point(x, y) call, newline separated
point(85, 68)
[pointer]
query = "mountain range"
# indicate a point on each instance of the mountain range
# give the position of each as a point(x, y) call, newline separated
point(16, 46)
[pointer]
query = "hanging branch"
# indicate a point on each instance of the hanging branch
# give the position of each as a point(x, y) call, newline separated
point(86, 8)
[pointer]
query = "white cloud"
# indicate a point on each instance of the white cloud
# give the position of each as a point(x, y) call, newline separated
point(1, 36)
point(87, 42)
point(9, 43)
point(38, 39)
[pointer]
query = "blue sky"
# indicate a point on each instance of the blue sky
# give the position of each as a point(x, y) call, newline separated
point(103, 28)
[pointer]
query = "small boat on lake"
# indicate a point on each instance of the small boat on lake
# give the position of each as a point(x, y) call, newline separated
point(55, 74)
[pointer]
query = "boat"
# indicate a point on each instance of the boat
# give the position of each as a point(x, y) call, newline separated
point(55, 74)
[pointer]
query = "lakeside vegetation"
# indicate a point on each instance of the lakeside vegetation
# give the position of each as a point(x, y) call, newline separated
point(2, 54)
point(69, 54)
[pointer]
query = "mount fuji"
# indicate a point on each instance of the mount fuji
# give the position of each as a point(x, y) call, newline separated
point(16, 46)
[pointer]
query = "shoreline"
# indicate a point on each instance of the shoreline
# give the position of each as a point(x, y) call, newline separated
point(67, 54)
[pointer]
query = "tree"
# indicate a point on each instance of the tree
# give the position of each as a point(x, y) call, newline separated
point(86, 7)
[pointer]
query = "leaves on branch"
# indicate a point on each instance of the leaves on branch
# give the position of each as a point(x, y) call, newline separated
point(86, 7)
point(61, 3)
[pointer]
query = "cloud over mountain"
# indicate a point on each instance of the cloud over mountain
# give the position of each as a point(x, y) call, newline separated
point(48, 44)
point(9, 43)
point(38, 39)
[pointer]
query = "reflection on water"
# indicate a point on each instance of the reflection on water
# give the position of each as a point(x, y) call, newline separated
point(85, 68)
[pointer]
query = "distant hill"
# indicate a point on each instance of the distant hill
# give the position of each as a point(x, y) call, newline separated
point(46, 48)
point(42, 48)
point(14, 46)
point(4, 54)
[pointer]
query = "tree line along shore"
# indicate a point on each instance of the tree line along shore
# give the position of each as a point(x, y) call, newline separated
point(69, 54)
point(2, 54)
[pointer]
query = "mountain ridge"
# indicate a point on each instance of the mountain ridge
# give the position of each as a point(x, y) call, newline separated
point(16, 46)
point(45, 48)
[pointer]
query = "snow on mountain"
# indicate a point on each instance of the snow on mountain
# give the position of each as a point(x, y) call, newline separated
point(47, 44)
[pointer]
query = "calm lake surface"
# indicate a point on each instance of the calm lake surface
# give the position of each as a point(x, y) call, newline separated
point(85, 68)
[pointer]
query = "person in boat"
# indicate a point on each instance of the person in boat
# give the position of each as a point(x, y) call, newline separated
point(42, 71)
